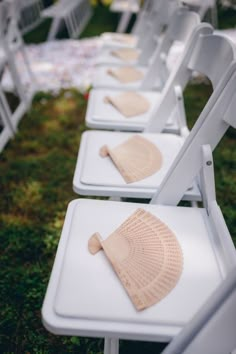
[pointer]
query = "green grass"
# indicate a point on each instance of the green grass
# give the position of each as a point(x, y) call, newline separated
point(36, 185)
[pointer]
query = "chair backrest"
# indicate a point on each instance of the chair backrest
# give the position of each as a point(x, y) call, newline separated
point(29, 12)
point(142, 16)
point(213, 122)
point(212, 330)
point(158, 20)
point(77, 18)
point(181, 27)
point(152, 24)
point(204, 54)
point(189, 62)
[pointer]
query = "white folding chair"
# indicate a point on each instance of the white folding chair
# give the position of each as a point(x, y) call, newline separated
point(212, 330)
point(155, 23)
point(85, 297)
point(181, 26)
point(186, 29)
point(126, 8)
point(74, 13)
point(11, 44)
point(143, 22)
point(29, 13)
point(96, 175)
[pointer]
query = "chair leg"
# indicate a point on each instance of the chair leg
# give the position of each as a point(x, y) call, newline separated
point(28, 67)
point(111, 346)
point(54, 29)
point(214, 16)
point(124, 21)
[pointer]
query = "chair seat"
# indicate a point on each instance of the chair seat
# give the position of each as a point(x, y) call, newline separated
point(85, 297)
point(95, 175)
point(124, 6)
point(102, 79)
point(104, 115)
point(109, 41)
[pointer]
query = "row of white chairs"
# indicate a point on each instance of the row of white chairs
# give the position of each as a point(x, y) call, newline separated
point(129, 7)
point(74, 14)
point(84, 297)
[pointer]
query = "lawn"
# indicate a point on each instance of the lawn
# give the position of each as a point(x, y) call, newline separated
point(36, 185)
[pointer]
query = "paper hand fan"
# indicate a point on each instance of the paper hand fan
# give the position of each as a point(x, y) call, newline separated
point(126, 74)
point(126, 54)
point(121, 38)
point(136, 158)
point(145, 255)
point(129, 104)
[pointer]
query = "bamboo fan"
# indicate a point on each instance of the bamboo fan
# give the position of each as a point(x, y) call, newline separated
point(125, 74)
point(136, 158)
point(126, 54)
point(129, 104)
point(122, 38)
point(145, 255)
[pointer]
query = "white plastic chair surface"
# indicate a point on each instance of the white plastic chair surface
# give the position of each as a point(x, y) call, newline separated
point(83, 301)
point(102, 116)
point(95, 175)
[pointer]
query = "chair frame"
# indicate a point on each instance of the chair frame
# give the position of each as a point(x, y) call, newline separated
point(178, 77)
point(133, 6)
point(197, 59)
point(29, 14)
point(195, 158)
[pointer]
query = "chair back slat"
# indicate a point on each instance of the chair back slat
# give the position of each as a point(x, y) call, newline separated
point(182, 25)
point(211, 57)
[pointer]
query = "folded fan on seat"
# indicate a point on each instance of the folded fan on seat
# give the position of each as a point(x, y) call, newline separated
point(129, 103)
point(124, 38)
point(126, 74)
point(126, 54)
point(136, 158)
point(146, 256)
